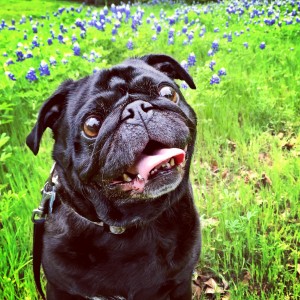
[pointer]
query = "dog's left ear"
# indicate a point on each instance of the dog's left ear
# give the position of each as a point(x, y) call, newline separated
point(169, 66)
point(49, 113)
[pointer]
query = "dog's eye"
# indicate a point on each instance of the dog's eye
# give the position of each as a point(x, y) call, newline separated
point(170, 93)
point(91, 127)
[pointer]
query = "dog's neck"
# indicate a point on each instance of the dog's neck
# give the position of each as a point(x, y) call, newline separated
point(52, 185)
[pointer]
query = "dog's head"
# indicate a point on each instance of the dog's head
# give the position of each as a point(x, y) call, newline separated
point(126, 133)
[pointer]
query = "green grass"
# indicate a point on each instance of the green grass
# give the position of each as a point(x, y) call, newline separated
point(246, 166)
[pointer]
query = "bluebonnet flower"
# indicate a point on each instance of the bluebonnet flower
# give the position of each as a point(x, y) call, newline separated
point(154, 37)
point(113, 39)
point(76, 49)
point(13, 22)
point(25, 36)
point(74, 38)
point(171, 21)
point(10, 75)
point(129, 44)
point(262, 45)
point(49, 41)
point(34, 29)
point(215, 79)
point(35, 42)
point(215, 45)
point(31, 76)
point(190, 36)
point(158, 28)
point(185, 65)
point(60, 38)
point(82, 34)
point(184, 29)
point(29, 54)
point(216, 29)
point(191, 59)
point(4, 54)
point(52, 61)
point(64, 61)
point(210, 52)
point(212, 64)
point(114, 31)
point(20, 55)
point(246, 45)
point(9, 62)
point(184, 85)
point(96, 69)
point(229, 37)
point(44, 69)
point(222, 72)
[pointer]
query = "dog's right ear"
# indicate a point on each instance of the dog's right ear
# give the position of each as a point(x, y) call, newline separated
point(49, 113)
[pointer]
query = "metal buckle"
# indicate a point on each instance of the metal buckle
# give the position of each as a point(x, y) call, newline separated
point(40, 212)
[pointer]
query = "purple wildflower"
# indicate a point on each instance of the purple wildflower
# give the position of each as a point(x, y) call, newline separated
point(212, 64)
point(215, 79)
point(44, 69)
point(129, 44)
point(31, 76)
point(49, 41)
point(210, 52)
point(74, 38)
point(246, 45)
point(10, 75)
point(9, 62)
point(215, 46)
point(184, 85)
point(222, 72)
point(29, 54)
point(262, 45)
point(52, 61)
point(35, 42)
point(191, 59)
point(158, 28)
point(76, 49)
point(185, 65)
point(20, 55)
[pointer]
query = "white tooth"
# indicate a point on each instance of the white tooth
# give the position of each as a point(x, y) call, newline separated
point(155, 170)
point(168, 166)
point(126, 178)
point(172, 162)
point(163, 166)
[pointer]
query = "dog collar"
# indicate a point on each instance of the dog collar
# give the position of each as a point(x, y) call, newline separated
point(48, 198)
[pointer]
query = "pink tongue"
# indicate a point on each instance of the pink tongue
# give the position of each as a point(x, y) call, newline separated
point(148, 162)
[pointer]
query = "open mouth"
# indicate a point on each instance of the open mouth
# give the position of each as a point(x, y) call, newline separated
point(156, 160)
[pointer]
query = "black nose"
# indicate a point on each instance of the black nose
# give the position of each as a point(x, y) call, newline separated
point(137, 112)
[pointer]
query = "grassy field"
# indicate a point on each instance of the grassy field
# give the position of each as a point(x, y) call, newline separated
point(246, 167)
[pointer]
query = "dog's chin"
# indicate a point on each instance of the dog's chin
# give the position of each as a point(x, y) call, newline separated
point(154, 187)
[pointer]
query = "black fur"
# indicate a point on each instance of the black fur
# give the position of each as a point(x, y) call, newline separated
point(155, 257)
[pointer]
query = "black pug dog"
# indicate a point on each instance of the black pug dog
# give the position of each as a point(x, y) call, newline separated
point(123, 225)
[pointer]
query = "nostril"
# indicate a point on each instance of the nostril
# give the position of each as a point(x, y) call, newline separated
point(146, 107)
point(137, 111)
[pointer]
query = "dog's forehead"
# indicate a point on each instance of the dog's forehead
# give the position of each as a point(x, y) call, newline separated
point(132, 73)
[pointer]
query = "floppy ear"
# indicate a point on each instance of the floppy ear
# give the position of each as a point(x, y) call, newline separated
point(48, 114)
point(169, 66)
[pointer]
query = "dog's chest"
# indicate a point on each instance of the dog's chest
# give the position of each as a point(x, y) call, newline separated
point(99, 261)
